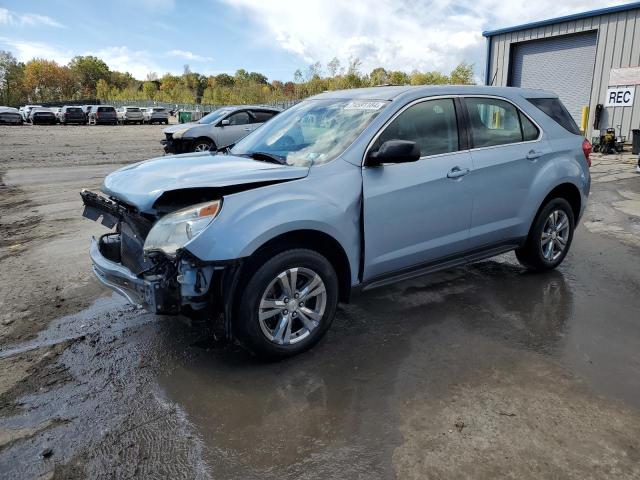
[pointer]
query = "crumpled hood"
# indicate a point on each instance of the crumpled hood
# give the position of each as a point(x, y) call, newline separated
point(180, 126)
point(142, 183)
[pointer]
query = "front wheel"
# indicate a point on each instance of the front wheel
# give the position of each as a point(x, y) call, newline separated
point(202, 145)
point(288, 304)
point(549, 238)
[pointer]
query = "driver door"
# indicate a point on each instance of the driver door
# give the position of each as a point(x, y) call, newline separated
point(239, 126)
point(418, 212)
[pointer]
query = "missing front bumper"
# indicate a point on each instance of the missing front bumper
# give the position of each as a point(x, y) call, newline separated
point(153, 294)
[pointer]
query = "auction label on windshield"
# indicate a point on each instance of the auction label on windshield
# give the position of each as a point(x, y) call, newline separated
point(364, 105)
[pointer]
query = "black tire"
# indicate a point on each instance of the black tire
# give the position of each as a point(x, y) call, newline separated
point(531, 255)
point(258, 278)
point(204, 142)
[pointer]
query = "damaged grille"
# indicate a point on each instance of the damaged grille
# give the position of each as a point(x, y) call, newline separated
point(133, 231)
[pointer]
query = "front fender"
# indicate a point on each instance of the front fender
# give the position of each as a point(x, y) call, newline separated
point(327, 201)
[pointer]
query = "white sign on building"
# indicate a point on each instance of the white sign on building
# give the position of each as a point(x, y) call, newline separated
point(619, 97)
point(624, 76)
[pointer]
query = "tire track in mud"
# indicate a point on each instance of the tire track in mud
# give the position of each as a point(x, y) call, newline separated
point(78, 394)
point(113, 421)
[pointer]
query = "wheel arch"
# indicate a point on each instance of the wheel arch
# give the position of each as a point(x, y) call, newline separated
point(208, 139)
point(570, 192)
point(310, 239)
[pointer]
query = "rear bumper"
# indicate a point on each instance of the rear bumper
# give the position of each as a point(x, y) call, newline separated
point(131, 119)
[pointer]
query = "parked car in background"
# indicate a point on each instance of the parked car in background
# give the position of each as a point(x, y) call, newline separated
point(101, 114)
point(41, 115)
point(56, 112)
point(130, 115)
point(346, 191)
point(218, 129)
point(72, 114)
point(10, 116)
point(26, 110)
point(156, 115)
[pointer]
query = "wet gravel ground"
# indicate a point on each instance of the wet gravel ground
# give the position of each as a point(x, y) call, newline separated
point(484, 371)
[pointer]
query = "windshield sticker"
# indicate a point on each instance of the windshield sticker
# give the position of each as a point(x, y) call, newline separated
point(364, 105)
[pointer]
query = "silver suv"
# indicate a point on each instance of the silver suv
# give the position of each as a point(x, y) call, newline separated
point(155, 114)
point(218, 129)
point(130, 115)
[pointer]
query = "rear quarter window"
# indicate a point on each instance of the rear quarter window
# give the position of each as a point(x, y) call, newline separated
point(262, 116)
point(554, 108)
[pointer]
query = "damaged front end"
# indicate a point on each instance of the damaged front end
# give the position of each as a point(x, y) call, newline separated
point(162, 283)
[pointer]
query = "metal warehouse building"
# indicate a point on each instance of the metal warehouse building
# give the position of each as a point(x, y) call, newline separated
point(588, 59)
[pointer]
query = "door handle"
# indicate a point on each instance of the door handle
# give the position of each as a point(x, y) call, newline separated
point(457, 172)
point(533, 154)
point(248, 129)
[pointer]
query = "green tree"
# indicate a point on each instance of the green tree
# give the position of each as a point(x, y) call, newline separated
point(462, 74)
point(11, 80)
point(378, 76)
point(149, 89)
point(88, 70)
point(398, 78)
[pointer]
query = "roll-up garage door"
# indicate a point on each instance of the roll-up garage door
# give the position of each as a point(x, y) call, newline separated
point(562, 64)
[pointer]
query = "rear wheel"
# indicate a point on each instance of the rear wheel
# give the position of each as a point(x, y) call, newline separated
point(288, 304)
point(549, 238)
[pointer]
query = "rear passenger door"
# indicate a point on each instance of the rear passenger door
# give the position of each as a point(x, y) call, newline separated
point(418, 212)
point(507, 150)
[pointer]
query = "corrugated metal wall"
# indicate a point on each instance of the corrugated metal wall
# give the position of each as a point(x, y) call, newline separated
point(618, 46)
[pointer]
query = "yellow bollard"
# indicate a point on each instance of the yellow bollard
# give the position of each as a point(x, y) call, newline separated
point(584, 119)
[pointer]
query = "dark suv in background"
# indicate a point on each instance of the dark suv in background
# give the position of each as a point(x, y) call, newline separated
point(102, 114)
point(72, 114)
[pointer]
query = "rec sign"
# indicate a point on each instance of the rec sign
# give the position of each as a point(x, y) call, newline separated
point(620, 97)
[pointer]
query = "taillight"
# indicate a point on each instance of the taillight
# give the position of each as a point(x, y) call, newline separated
point(586, 149)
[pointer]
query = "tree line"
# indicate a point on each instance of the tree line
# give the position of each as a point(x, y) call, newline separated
point(84, 77)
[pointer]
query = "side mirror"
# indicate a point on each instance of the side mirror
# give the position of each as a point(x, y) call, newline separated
point(225, 122)
point(394, 151)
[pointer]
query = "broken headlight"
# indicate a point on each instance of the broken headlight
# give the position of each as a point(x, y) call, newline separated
point(175, 229)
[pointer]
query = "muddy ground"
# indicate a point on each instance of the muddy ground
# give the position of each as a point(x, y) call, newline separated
point(478, 372)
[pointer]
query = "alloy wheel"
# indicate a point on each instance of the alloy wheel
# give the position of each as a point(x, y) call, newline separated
point(555, 235)
point(292, 306)
point(202, 147)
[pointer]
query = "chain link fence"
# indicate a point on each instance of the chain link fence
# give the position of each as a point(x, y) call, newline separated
point(187, 107)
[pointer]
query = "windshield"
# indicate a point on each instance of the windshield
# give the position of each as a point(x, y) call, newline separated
point(214, 116)
point(311, 132)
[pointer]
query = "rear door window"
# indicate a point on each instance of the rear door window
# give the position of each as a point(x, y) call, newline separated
point(431, 124)
point(494, 122)
point(554, 108)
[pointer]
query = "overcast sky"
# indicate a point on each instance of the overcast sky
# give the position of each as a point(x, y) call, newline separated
point(274, 37)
